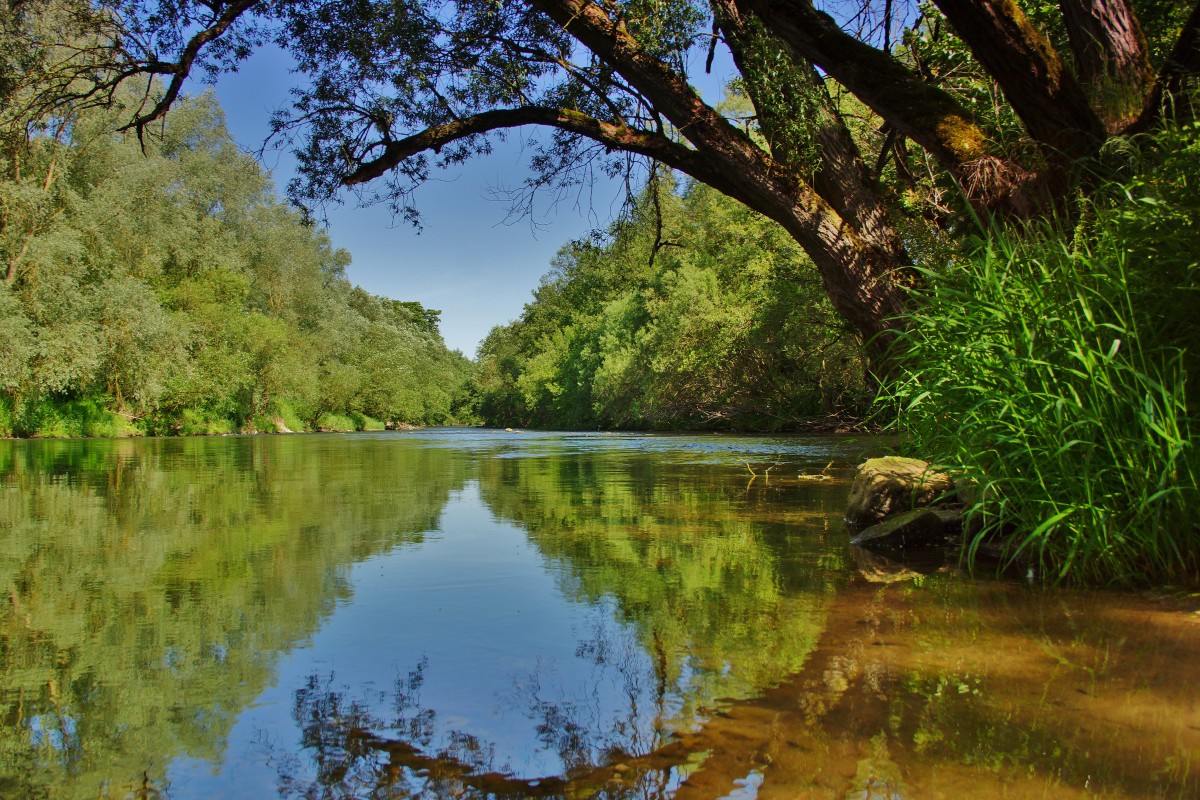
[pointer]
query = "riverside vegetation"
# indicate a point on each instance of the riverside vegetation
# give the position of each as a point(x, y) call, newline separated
point(1047, 364)
point(162, 288)
point(1051, 365)
point(694, 313)
point(1014, 263)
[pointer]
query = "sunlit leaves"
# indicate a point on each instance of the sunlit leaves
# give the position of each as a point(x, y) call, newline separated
point(165, 281)
point(724, 326)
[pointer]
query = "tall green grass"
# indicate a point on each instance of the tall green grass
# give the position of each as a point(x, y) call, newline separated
point(1051, 366)
point(63, 418)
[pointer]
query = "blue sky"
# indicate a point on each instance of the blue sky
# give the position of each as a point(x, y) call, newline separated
point(466, 261)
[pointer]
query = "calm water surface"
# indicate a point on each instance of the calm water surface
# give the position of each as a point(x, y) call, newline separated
point(478, 614)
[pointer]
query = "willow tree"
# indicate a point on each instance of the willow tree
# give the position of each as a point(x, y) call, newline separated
point(391, 89)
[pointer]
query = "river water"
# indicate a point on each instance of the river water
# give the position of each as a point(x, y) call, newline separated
point(471, 614)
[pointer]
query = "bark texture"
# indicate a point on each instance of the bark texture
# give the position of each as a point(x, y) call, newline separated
point(1041, 90)
point(1110, 57)
point(921, 111)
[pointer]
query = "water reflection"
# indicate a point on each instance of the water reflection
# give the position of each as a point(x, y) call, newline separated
point(349, 750)
point(530, 615)
point(151, 587)
point(725, 588)
point(942, 688)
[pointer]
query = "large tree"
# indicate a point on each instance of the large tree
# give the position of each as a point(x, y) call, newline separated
point(392, 88)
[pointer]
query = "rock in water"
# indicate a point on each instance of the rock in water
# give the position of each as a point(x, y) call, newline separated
point(921, 527)
point(892, 485)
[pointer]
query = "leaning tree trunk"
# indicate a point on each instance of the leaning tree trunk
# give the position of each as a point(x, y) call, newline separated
point(1111, 58)
point(851, 241)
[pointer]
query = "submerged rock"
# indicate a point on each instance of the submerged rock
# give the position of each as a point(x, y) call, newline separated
point(921, 527)
point(891, 485)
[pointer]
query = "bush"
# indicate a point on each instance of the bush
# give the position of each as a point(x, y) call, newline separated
point(337, 422)
point(291, 418)
point(198, 422)
point(365, 423)
point(1051, 367)
point(6, 416)
point(62, 418)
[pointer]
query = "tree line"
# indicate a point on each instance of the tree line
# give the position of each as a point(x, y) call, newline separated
point(694, 312)
point(161, 287)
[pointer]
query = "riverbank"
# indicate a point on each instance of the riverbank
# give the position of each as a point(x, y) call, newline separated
point(91, 419)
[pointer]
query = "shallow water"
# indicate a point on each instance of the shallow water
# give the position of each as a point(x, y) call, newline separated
point(467, 613)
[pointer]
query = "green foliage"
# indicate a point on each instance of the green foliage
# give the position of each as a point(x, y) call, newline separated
point(168, 291)
point(348, 422)
point(696, 313)
point(74, 418)
point(1052, 367)
point(787, 98)
point(196, 422)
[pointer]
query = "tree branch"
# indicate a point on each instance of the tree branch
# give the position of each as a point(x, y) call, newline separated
point(179, 70)
point(667, 90)
point(616, 136)
point(838, 174)
point(921, 111)
point(1042, 91)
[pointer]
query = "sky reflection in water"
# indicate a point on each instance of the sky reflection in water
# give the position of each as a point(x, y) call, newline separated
point(480, 613)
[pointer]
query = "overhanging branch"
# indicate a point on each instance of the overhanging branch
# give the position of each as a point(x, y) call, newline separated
point(616, 136)
point(181, 69)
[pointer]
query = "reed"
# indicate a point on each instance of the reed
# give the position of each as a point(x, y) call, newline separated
point(1050, 365)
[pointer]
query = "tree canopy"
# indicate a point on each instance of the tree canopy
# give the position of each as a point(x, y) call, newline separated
point(852, 104)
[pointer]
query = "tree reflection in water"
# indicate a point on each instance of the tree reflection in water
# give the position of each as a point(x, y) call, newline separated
point(351, 751)
point(885, 707)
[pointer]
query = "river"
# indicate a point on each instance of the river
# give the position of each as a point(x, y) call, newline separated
point(469, 614)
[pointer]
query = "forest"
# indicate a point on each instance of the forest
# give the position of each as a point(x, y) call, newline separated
point(162, 288)
point(974, 221)
point(727, 328)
